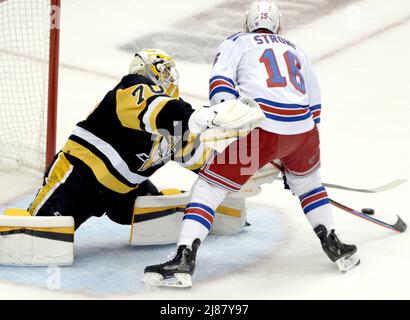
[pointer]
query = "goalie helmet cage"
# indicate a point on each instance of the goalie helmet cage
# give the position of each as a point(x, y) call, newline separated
point(29, 59)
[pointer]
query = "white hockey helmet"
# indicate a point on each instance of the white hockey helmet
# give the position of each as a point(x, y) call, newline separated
point(158, 66)
point(262, 15)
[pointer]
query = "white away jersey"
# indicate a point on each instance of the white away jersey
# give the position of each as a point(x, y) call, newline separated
point(275, 73)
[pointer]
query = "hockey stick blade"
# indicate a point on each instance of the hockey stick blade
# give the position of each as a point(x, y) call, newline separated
point(399, 226)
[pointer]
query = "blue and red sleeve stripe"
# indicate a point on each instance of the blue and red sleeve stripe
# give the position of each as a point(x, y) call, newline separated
point(219, 84)
point(316, 111)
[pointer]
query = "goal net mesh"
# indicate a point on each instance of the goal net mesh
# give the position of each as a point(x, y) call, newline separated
point(24, 66)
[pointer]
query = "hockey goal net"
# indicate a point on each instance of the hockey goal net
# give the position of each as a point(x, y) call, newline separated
point(29, 42)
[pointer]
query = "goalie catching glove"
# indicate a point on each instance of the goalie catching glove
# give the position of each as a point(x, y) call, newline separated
point(252, 187)
point(229, 116)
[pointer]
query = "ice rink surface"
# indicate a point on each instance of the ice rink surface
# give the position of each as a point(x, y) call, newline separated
point(360, 51)
point(106, 265)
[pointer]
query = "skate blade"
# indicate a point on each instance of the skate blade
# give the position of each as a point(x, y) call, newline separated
point(178, 281)
point(346, 263)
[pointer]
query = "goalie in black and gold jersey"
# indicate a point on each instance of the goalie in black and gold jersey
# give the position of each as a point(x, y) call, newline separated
point(137, 127)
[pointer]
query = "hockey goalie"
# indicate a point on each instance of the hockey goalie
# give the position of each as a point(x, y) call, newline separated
point(105, 165)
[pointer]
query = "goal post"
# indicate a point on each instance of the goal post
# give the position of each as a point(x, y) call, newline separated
point(54, 54)
point(29, 59)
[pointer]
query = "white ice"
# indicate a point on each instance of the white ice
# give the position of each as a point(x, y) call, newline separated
point(361, 57)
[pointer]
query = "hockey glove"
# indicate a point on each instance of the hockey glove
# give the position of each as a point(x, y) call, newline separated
point(252, 187)
point(228, 115)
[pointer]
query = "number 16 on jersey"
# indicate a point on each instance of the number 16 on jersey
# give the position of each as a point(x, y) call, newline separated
point(276, 79)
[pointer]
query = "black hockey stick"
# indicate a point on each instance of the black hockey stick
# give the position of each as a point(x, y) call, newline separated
point(399, 226)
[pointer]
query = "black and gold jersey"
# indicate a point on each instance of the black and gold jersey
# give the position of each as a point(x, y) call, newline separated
point(134, 131)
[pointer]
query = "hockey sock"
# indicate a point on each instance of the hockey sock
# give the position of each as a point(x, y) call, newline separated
point(199, 213)
point(317, 208)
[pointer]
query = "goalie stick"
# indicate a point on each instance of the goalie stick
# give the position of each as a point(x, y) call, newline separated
point(388, 186)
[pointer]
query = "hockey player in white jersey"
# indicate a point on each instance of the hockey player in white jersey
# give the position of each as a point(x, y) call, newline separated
point(276, 73)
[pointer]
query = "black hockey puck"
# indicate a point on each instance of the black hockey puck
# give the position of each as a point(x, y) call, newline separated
point(368, 211)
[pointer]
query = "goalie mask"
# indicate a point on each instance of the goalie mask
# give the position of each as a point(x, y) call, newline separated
point(262, 15)
point(158, 66)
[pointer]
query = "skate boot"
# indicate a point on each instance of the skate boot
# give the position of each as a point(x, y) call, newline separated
point(344, 255)
point(175, 273)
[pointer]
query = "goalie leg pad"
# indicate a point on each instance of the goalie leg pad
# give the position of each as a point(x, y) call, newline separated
point(36, 241)
point(230, 217)
point(158, 219)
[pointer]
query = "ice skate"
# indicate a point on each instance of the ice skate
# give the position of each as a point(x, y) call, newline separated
point(344, 255)
point(175, 273)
